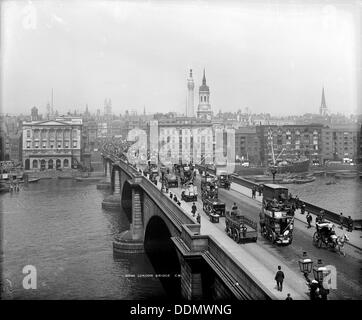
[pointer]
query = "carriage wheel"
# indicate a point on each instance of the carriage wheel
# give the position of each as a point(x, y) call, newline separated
point(263, 231)
point(236, 236)
point(315, 238)
point(229, 232)
point(333, 245)
point(273, 236)
point(320, 242)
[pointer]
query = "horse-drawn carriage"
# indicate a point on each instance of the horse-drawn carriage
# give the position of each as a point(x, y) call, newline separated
point(326, 236)
point(153, 173)
point(189, 193)
point(213, 207)
point(224, 180)
point(239, 227)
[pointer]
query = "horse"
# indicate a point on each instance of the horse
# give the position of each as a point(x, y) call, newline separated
point(340, 241)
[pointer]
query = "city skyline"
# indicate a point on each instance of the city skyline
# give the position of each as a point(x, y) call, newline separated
point(263, 54)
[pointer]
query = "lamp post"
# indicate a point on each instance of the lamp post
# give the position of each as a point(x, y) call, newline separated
point(273, 172)
point(306, 267)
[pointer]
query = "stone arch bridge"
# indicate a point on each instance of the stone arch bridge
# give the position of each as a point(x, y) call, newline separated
point(205, 267)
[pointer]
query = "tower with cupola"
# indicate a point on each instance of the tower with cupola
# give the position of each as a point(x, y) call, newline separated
point(204, 107)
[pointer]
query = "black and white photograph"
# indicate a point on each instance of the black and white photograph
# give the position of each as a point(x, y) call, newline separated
point(181, 151)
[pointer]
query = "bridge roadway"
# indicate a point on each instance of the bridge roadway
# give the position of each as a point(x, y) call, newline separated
point(256, 258)
point(262, 258)
point(349, 275)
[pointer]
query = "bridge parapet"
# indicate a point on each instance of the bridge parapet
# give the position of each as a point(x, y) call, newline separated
point(239, 280)
point(234, 280)
point(174, 213)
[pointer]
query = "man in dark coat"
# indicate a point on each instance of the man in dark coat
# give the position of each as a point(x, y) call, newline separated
point(309, 219)
point(279, 278)
point(289, 297)
point(193, 209)
point(350, 224)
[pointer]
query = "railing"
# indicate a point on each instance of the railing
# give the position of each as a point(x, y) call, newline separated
point(175, 213)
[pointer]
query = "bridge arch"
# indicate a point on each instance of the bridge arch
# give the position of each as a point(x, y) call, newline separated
point(163, 255)
point(126, 199)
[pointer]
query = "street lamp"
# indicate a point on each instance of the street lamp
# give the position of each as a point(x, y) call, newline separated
point(273, 172)
point(319, 271)
point(305, 266)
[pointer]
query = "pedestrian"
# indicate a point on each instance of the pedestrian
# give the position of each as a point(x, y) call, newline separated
point(178, 202)
point(297, 202)
point(193, 209)
point(309, 220)
point(341, 218)
point(171, 196)
point(175, 198)
point(289, 297)
point(350, 224)
point(323, 293)
point(259, 190)
point(321, 217)
point(253, 193)
point(302, 209)
point(198, 218)
point(314, 290)
point(279, 278)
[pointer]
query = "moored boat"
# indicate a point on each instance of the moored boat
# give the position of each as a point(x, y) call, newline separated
point(349, 175)
point(95, 179)
point(304, 180)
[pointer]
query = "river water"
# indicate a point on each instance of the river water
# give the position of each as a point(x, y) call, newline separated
point(344, 196)
point(59, 227)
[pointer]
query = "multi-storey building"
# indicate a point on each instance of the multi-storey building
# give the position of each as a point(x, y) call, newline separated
point(339, 143)
point(52, 144)
point(10, 144)
point(247, 145)
point(185, 139)
point(290, 142)
point(359, 144)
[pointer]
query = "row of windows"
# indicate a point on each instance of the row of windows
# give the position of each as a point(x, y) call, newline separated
point(51, 132)
point(51, 146)
point(42, 163)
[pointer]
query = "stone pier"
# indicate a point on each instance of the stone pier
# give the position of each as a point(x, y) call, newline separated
point(113, 201)
point(106, 184)
point(132, 241)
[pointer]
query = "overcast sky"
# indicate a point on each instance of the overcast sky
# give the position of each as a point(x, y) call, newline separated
point(269, 56)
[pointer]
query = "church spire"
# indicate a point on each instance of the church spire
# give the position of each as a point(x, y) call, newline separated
point(204, 79)
point(323, 107)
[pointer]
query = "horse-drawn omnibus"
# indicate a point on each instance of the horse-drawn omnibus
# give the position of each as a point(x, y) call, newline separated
point(277, 215)
point(224, 180)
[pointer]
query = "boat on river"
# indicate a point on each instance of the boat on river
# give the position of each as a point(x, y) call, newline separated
point(346, 175)
point(304, 180)
point(91, 179)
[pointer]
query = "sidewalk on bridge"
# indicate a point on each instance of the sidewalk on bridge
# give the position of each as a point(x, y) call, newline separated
point(355, 239)
point(264, 270)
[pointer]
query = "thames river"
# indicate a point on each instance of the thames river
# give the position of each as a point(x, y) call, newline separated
point(344, 196)
point(59, 227)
